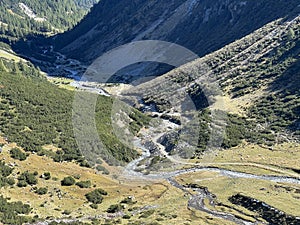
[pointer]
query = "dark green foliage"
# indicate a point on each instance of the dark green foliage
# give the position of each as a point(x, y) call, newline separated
point(10, 181)
point(24, 96)
point(46, 176)
point(94, 206)
point(114, 208)
point(126, 217)
point(277, 112)
point(27, 178)
point(102, 169)
point(41, 191)
point(68, 181)
point(16, 153)
point(5, 171)
point(196, 133)
point(96, 196)
point(59, 15)
point(13, 212)
point(84, 184)
point(66, 212)
point(138, 120)
point(85, 163)
point(267, 212)
point(22, 183)
point(128, 200)
point(204, 135)
point(235, 131)
point(114, 146)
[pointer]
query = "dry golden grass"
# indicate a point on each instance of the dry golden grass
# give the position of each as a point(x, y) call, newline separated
point(170, 203)
point(281, 196)
point(283, 155)
point(277, 160)
point(167, 200)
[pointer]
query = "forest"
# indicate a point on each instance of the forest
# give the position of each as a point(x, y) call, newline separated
point(24, 92)
point(49, 17)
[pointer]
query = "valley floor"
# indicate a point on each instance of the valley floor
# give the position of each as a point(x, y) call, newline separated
point(159, 201)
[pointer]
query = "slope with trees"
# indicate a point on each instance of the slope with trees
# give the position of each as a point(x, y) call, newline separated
point(19, 19)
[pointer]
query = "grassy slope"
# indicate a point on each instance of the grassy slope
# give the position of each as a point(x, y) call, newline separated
point(23, 97)
point(166, 200)
point(259, 79)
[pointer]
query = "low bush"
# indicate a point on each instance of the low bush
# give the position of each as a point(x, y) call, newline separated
point(84, 184)
point(68, 181)
point(41, 191)
point(96, 196)
point(16, 153)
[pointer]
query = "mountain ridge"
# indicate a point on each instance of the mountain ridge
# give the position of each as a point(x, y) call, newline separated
point(202, 27)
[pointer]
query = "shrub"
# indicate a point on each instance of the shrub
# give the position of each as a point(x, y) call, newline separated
point(11, 181)
point(94, 206)
point(114, 208)
point(84, 184)
point(68, 181)
point(31, 179)
point(27, 178)
point(13, 212)
point(85, 164)
point(96, 196)
point(5, 171)
point(102, 169)
point(22, 183)
point(126, 217)
point(128, 200)
point(41, 191)
point(66, 212)
point(16, 153)
point(46, 176)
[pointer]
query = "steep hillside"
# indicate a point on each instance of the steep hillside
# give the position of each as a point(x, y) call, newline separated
point(258, 80)
point(202, 26)
point(20, 18)
point(24, 93)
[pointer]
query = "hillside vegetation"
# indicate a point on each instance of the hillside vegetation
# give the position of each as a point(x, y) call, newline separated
point(21, 18)
point(251, 86)
point(259, 86)
point(36, 113)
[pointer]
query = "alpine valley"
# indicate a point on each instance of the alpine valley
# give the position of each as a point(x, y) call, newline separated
point(214, 140)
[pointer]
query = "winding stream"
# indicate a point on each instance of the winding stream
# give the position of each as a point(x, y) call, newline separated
point(197, 200)
point(130, 170)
